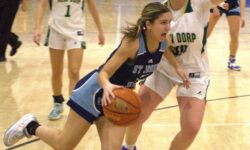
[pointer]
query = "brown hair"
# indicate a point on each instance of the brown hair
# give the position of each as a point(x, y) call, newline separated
point(150, 12)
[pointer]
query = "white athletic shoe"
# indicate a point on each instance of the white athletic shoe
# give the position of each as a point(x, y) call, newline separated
point(18, 130)
point(233, 66)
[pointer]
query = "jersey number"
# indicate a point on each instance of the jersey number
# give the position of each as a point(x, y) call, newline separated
point(68, 11)
point(179, 50)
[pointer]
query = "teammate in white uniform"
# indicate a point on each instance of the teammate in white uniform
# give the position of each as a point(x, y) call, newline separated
point(66, 32)
point(188, 34)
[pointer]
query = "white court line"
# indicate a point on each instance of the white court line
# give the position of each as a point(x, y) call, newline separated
point(203, 125)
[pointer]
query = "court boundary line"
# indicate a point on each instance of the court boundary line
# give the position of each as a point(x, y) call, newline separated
point(211, 100)
point(203, 125)
point(22, 144)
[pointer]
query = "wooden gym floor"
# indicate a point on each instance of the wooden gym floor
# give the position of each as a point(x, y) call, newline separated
point(25, 84)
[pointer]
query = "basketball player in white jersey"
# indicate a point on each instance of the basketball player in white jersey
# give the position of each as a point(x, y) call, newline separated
point(235, 14)
point(188, 34)
point(66, 33)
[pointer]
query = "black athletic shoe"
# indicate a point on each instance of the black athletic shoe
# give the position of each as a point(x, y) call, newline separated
point(14, 48)
point(3, 59)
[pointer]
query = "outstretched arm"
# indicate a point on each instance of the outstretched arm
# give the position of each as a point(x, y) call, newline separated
point(214, 17)
point(94, 12)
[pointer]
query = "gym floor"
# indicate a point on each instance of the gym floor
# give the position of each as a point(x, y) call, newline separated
point(25, 84)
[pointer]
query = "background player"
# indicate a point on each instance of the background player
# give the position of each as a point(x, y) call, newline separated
point(66, 32)
point(235, 13)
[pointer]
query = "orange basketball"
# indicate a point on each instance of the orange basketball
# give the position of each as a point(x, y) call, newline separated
point(124, 108)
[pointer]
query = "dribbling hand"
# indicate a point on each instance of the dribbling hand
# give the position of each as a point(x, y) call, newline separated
point(107, 92)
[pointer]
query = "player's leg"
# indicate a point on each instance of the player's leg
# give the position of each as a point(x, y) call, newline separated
point(74, 129)
point(56, 58)
point(14, 42)
point(234, 29)
point(7, 16)
point(151, 100)
point(56, 44)
point(152, 92)
point(192, 107)
point(111, 135)
point(191, 115)
point(74, 64)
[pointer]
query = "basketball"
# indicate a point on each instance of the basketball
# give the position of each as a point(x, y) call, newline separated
point(124, 108)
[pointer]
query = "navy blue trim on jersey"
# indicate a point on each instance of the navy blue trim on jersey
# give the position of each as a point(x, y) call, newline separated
point(235, 11)
point(145, 62)
point(84, 79)
point(143, 65)
point(81, 111)
point(233, 4)
point(233, 14)
point(145, 46)
point(86, 98)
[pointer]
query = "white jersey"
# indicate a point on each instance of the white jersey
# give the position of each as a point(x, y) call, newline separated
point(67, 17)
point(188, 36)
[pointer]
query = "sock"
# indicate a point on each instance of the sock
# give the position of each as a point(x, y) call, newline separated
point(58, 99)
point(129, 147)
point(232, 58)
point(31, 127)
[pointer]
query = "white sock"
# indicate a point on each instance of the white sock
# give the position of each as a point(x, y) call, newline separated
point(129, 147)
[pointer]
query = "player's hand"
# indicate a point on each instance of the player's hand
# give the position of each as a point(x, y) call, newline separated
point(37, 37)
point(108, 92)
point(242, 22)
point(225, 6)
point(182, 74)
point(216, 12)
point(101, 39)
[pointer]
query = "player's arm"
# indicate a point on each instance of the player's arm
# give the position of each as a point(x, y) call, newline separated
point(94, 12)
point(214, 16)
point(242, 12)
point(39, 16)
point(127, 50)
point(171, 58)
point(182, 74)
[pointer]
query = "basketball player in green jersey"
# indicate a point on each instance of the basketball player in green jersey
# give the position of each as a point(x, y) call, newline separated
point(235, 14)
point(188, 36)
point(66, 33)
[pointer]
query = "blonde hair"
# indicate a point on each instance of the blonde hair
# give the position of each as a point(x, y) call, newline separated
point(150, 12)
